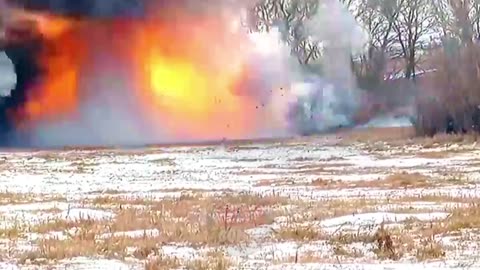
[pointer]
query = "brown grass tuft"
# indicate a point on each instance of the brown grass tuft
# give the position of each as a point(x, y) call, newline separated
point(7, 197)
point(197, 220)
point(393, 181)
point(13, 231)
point(215, 260)
point(377, 134)
point(298, 233)
point(385, 247)
point(162, 262)
point(342, 251)
point(430, 250)
point(404, 180)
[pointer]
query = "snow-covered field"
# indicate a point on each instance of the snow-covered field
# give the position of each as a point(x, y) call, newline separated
point(317, 203)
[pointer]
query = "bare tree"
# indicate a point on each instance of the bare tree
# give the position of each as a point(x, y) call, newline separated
point(413, 23)
point(475, 17)
point(289, 16)
point(442, 16)
point(463, 27)
point(378, 19)
point(457, 18)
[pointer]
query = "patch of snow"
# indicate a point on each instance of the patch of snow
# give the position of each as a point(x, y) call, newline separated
point(378, 218)
point(83, 213)
point(388, 121)
point(182, 252)
point(132, 234)
point(41, 206)
point(262, 254)
point(377, 266)
point(354, 177)
point(9, 266)
point(215, 168)
point(259, 232)
point(50, 235)
point(82, 263)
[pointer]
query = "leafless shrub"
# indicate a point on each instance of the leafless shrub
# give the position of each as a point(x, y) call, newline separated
point(451, 95)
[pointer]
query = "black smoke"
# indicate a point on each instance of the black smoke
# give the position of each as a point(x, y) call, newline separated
point(85, 8)
point(27, 72)
point(24, 56)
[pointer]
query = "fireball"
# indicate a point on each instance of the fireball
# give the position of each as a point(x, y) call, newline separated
point(188, 74)
point(48, 25)
point(185, 72)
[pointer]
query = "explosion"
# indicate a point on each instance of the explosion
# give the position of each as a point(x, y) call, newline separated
point(191, 78)
point(186, 73)
point(165, 72)
point(56, 93)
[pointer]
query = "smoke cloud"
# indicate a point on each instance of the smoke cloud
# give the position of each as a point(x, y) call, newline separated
point(330, 99)
point(7, 75)
point(280, 97)
point(85, 8)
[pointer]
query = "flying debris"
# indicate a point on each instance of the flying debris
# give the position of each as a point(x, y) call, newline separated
point(117, 72)
point(123, 72)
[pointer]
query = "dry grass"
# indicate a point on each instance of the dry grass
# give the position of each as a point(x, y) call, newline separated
point(446, 152)
point(377, 134)
point(388, 244)
point(162, 262)
point(165, 161)
point(405, 180)
point(347, 238)
point(315, 168)
point(460, 219)
point(445, 140)
point(338, 207)
point(303, 258)
point(434, 154)
point(12, 232)
point(221, 221)
point(401, 136)
point(276, 183)
point(430, 250)
point(215, 260)
point(415, 238)
point(89, 244)
point(54, 250)
point(7, 198)
point(15, 198)
point(197, 220)
point(393, 181)
point(93, 239)
point(107, 201)
point(343, 251)
point(435, 198)
point(108, 192)
point(299, 233)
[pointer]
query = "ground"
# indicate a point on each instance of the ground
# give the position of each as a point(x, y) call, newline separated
point(373, 199)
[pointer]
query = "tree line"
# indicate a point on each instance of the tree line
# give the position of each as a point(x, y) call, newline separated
point(435, 43)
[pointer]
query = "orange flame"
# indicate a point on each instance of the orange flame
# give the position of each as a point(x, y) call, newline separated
point(61, 59)
point(185, 72)
point(188, 73)
point(48, 25)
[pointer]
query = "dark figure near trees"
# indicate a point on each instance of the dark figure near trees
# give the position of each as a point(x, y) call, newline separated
point(450, 125)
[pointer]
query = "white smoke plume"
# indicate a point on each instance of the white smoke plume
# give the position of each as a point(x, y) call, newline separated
point(7, 75)
point(329, 100)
